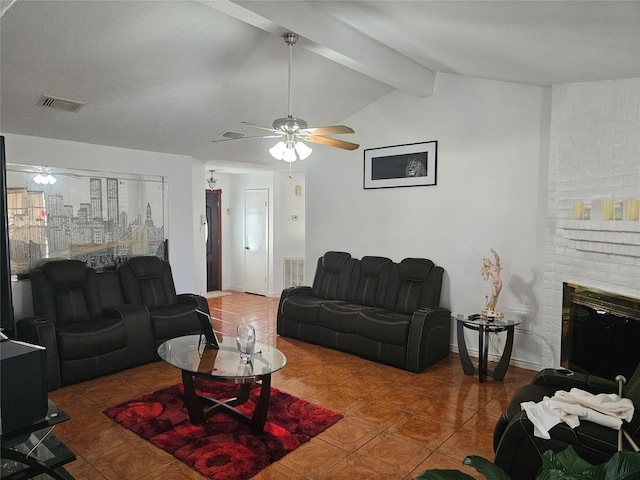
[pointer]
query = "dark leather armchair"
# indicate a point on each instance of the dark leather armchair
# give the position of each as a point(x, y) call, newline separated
point(83, 338)
point(519, 452)
point(148, 281)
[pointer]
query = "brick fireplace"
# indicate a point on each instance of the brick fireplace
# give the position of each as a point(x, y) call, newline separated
point(600, 332)
point(595, 158)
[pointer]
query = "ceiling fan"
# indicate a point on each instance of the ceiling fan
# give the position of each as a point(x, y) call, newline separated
point(293, 131)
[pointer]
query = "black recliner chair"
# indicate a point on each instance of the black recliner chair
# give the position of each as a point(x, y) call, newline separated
point(148, 281)
point(84, 339)
point(519, 452)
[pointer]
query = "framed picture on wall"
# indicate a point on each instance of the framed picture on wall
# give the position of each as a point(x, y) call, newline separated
point(409, 165)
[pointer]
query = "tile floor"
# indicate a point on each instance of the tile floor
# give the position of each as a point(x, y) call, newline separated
point(396, 424)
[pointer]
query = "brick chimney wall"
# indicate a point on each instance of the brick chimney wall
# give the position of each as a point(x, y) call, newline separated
point(594, 158)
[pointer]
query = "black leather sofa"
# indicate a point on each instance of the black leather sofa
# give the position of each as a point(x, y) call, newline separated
point(519, 452)
point(374, 308)
point(91, 326)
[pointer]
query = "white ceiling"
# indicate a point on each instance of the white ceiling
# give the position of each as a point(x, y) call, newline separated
point(171, 76)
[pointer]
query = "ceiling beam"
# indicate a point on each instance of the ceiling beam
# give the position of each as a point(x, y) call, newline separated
point(334, 40)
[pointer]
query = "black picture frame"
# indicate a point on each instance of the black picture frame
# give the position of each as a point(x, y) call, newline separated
point(206, 330)
point(409, 165)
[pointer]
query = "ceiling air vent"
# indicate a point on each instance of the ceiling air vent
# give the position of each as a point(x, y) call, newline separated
point(59, 103)
point(230, 134)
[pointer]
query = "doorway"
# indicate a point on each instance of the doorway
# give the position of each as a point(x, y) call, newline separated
point(214, 254)
point(256, 240)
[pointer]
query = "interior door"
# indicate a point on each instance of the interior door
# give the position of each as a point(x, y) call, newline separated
point(214, 245)
point(256, 244)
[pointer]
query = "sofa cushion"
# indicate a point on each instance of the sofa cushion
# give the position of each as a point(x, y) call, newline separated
point(305, 308)
point(148, 281)
point(384, 326)
point(341, 317)
point(67, 292)
point(372, 275)
point(412, 274)
point(333, 276)
point(90, 339)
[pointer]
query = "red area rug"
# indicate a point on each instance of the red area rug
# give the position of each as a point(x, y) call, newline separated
point(223, 448)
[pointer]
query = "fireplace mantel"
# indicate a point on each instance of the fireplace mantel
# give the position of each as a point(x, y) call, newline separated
point(613, 237)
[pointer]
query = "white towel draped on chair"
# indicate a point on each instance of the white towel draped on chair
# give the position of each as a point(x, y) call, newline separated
point(606, 409)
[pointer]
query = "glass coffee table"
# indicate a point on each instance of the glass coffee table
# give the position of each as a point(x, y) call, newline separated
point(195, 359)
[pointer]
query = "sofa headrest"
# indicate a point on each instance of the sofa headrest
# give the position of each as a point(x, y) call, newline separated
point(335, 261)
point(65, 273)
point(415, 269)
point(146, 267)
point(374, 265)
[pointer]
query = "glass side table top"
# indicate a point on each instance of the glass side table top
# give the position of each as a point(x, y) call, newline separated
point(475, 322)
point(189, 353)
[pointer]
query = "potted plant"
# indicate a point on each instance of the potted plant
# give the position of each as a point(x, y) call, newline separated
point(565, 465)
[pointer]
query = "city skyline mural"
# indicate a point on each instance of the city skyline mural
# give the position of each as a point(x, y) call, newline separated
point(97, 217)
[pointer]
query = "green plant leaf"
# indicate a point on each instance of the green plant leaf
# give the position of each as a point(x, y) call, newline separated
point(485, 467)
point(443, 475)
point(621, 466)
point(567, 462)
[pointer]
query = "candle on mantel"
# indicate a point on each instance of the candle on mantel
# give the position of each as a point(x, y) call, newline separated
point(578, 210)
point(633, 209)
point(607, 210)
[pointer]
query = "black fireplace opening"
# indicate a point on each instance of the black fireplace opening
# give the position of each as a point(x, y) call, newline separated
point(600, 332)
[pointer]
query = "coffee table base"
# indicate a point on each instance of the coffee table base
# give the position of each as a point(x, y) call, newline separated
point(201, 408)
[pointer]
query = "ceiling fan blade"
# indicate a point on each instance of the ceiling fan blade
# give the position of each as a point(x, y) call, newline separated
point(255, 125)
point(245, 138)
point(333, 130)
point(331, 142)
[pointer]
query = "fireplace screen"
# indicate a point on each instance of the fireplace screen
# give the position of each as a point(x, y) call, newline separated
point(97, 217)
point(601, 332)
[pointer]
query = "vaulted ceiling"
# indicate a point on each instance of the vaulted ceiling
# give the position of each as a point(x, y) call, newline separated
point(171, 76)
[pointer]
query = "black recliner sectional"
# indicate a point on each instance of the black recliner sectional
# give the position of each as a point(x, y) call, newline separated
point(95, 323)
point(371, 307)
point(519, 452)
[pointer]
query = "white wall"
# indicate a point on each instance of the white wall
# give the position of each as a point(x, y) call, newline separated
point(490, 193)
point(186, 203)
point(594, 156)
point(289, 223)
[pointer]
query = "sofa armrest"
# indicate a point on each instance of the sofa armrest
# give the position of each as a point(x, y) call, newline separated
point(198, 300)
point(140, 340)
point(41, 331)
point(429, 337)
point(552, 377)
point(291, 291)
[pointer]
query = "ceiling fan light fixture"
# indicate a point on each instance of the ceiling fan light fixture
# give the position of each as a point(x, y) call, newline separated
point(289, 155)
point(277, 151)
point(303, 150)
point(45, 179)
point(212, 181)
